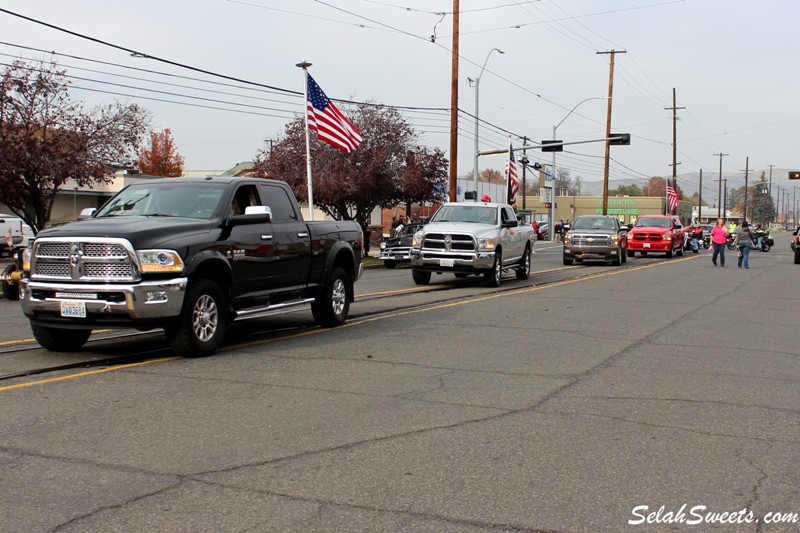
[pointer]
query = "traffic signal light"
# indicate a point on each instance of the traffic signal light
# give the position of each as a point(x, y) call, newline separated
point(620, 138)
point(794, 175)
point(548, 205)
point(559, 148)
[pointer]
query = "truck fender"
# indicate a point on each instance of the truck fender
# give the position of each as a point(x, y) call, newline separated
point(341, 254)
point(212, 264)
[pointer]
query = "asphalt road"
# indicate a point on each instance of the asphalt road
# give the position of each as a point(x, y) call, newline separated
point(558, 407)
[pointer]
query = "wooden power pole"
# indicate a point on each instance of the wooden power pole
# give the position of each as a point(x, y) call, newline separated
point(608, 127)
point(675, 163)
point(454, 109)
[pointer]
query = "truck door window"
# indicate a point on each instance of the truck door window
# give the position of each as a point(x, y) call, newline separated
point(278, 201)
point(245, 196)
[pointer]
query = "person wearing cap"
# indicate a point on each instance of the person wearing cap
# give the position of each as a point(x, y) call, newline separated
point(486, 198)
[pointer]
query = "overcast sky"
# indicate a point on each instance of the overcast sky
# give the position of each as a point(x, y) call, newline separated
point(733, 64)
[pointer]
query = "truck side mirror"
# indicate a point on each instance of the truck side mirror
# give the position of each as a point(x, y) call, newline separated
point(87, 212)
point(510, 223)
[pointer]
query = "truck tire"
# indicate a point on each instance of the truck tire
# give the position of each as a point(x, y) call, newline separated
point(420, 277)
point(618, 261)
point(524, 268)
point(332, 305)
point(201, 327)
point(567, 261)
point(669, 252)
point(60, 340)
point(630, 253)
point(623, 256)
point(679, 252)
point(10, 289)
point(493, 276)
point(389, 264)
point(797, 258)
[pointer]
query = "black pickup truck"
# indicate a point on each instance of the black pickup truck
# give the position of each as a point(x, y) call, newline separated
point(189, 255)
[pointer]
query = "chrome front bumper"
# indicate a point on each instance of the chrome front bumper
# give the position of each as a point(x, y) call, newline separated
point(438, 261)
point(145, 301)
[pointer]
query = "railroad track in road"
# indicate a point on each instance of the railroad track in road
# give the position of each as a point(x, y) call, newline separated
point(255, 335)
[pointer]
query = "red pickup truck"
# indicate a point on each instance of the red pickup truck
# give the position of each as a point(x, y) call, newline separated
point(658, 234)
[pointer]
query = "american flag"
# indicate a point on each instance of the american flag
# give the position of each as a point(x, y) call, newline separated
point(329, 123)
point(511, 172)
point(672, 198)
point(9, 238)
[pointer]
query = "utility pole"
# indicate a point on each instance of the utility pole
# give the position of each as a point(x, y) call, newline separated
point(700, 200)
point(675, 163)
point(746, 173)
point(454, 109)
point(524, 167)
point(719, 194)
point(770, 194)
point(608, 128)
point(725, 207)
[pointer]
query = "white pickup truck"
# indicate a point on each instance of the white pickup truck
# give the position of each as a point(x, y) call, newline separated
point(472, 238)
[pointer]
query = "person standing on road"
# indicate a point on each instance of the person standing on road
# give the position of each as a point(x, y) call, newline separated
point(719, 237)
point(744, 241)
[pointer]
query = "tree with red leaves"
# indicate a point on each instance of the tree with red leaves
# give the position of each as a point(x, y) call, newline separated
point(46, 139)
point(386, 170)
point(161, 159)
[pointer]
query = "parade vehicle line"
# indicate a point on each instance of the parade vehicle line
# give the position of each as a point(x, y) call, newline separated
point(139, 359)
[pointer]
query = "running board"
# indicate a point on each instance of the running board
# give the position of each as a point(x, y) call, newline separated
point(258, 312)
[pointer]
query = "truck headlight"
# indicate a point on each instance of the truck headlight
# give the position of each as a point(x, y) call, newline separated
point(156, 261)
point(667, 236)
point(567, 238)
point(486, 244)
point(614, 240)
point(26, 260)
point(383, 245)
point(416, 240)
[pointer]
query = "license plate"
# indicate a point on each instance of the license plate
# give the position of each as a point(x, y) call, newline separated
point(646, 245)
point(73, 309)
point(447, 262)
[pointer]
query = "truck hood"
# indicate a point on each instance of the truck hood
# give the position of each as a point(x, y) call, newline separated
point(142, 232)
point(650, 229)
point(478, 230)
point(592, 231)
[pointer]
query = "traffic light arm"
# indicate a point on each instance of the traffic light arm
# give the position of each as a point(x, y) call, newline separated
point(614, 139)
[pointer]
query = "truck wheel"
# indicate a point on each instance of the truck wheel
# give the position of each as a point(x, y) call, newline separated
point(567, 262)
point(524, 269)
point(623, 255)
point(61, 340)
point(669, 253)
point(420, 277)
point(201, 327)
point(492, 277)
point(390, 264)
point(630, 253)
point(797, 258)
point(10, 289)
point(332, 305)
point(618, 261)
point(679, 252)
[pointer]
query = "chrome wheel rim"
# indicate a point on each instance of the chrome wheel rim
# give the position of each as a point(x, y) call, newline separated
point(498, 271)
point(527, 263)
point(205, 318)
point(338, 297)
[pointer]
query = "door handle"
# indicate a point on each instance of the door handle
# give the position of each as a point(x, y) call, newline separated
point(302, 234)
point(266, 237)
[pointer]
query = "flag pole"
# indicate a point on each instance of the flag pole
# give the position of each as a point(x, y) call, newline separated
point(508, 171)
point(304, 65)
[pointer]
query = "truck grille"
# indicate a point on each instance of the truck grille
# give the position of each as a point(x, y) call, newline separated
point(449, 242)
point(90, 259)
point(587, 241)
point(647, 236)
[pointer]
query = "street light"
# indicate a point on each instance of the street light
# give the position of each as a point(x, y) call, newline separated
point(477, 82)
point(553, 199)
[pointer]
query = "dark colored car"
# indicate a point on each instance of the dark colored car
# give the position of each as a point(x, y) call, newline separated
point(397, 248)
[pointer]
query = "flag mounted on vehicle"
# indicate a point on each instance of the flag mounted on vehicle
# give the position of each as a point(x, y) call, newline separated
point(512, 180)
point(672, 198)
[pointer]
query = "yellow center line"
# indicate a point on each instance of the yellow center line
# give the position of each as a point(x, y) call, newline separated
point(358, 322)
point(83, 374)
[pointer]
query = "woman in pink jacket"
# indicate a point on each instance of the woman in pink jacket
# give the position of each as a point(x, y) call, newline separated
point(719, 237)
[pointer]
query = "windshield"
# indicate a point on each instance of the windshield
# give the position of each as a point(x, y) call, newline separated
point(652, 222)
point(166, 200)
point(593, 223)
point(471, 214)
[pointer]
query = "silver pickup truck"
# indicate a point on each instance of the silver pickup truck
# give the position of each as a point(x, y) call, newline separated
point(472, 238)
